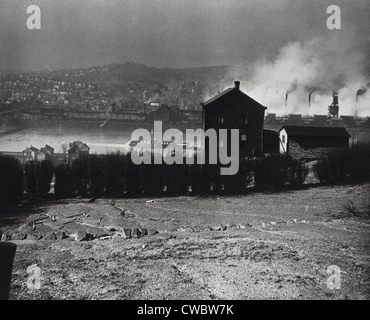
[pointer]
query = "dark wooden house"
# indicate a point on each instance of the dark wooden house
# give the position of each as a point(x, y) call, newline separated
point(233, 109)
point(77, 149)
point(303, 142)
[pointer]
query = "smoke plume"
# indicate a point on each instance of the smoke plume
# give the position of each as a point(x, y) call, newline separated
point(360, 92)
point(322, 65)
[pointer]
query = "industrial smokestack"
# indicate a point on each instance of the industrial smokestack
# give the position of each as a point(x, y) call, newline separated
point(311, 90)
point(335, 98)
point(334, 107)
point(291, 89)
point(237, 84)
point(360, 92)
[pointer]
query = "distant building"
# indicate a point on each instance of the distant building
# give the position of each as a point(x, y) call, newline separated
point(30, 154)
point(165, 114)
point(77, 149)
point(311, 142)
point(233, 109)
point(46, 153)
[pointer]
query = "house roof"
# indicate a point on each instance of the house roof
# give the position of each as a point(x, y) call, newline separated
point(315, 131)
point(228, 91)
point(32, 148)
point(82, 146)
point(47, 147)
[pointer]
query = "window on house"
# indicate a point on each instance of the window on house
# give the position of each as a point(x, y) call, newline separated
point(221, 120)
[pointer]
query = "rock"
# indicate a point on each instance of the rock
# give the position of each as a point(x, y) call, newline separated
point(106, 237)
point(34, 236)
point(135, 233)
point(126, 233)
point(81, 236)
point(5, 237)
point(50, 236)
point(116, 235)
point(232, 226)
point(197, 229)
point(60, 235)
point(152, 232)
point(144, 231)
point(295, 220)
point(18, 236)
point(218, 228)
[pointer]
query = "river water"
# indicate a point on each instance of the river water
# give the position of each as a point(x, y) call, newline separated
point(17, 136)
point(17, 139)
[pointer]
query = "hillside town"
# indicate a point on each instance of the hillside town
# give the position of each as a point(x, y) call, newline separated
point(84, 93)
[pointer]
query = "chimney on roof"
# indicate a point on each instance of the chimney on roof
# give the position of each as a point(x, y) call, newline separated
point(237, 84)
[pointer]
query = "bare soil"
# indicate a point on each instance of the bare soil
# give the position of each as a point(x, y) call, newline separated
point(257, 246)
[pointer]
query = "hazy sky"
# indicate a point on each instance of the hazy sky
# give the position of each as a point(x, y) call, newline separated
point(174, 33)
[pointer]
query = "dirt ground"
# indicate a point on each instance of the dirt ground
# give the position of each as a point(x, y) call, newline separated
point(257, 246)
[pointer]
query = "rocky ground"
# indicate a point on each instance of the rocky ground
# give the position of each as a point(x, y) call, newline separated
point(258, 246)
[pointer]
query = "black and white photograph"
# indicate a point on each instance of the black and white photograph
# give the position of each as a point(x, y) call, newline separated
point(199, 152)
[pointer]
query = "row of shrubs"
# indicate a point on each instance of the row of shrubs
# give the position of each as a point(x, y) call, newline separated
point(345, 165)
point(115, 175)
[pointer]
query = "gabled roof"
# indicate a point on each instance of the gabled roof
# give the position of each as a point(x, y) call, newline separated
point(82, 146)
point(32, 149)
point(221, 94)
point(228, 91)
point(47, 147)
point(303, 131)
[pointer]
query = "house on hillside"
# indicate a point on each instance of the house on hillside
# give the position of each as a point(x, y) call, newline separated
point(46, 153)
point(303, 142)
point(233, 109)
point(30, 154)
point(77, 149)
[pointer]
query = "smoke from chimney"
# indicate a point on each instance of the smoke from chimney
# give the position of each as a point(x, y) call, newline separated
point(292, 88)
point(311, 90)
point(360, 92)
